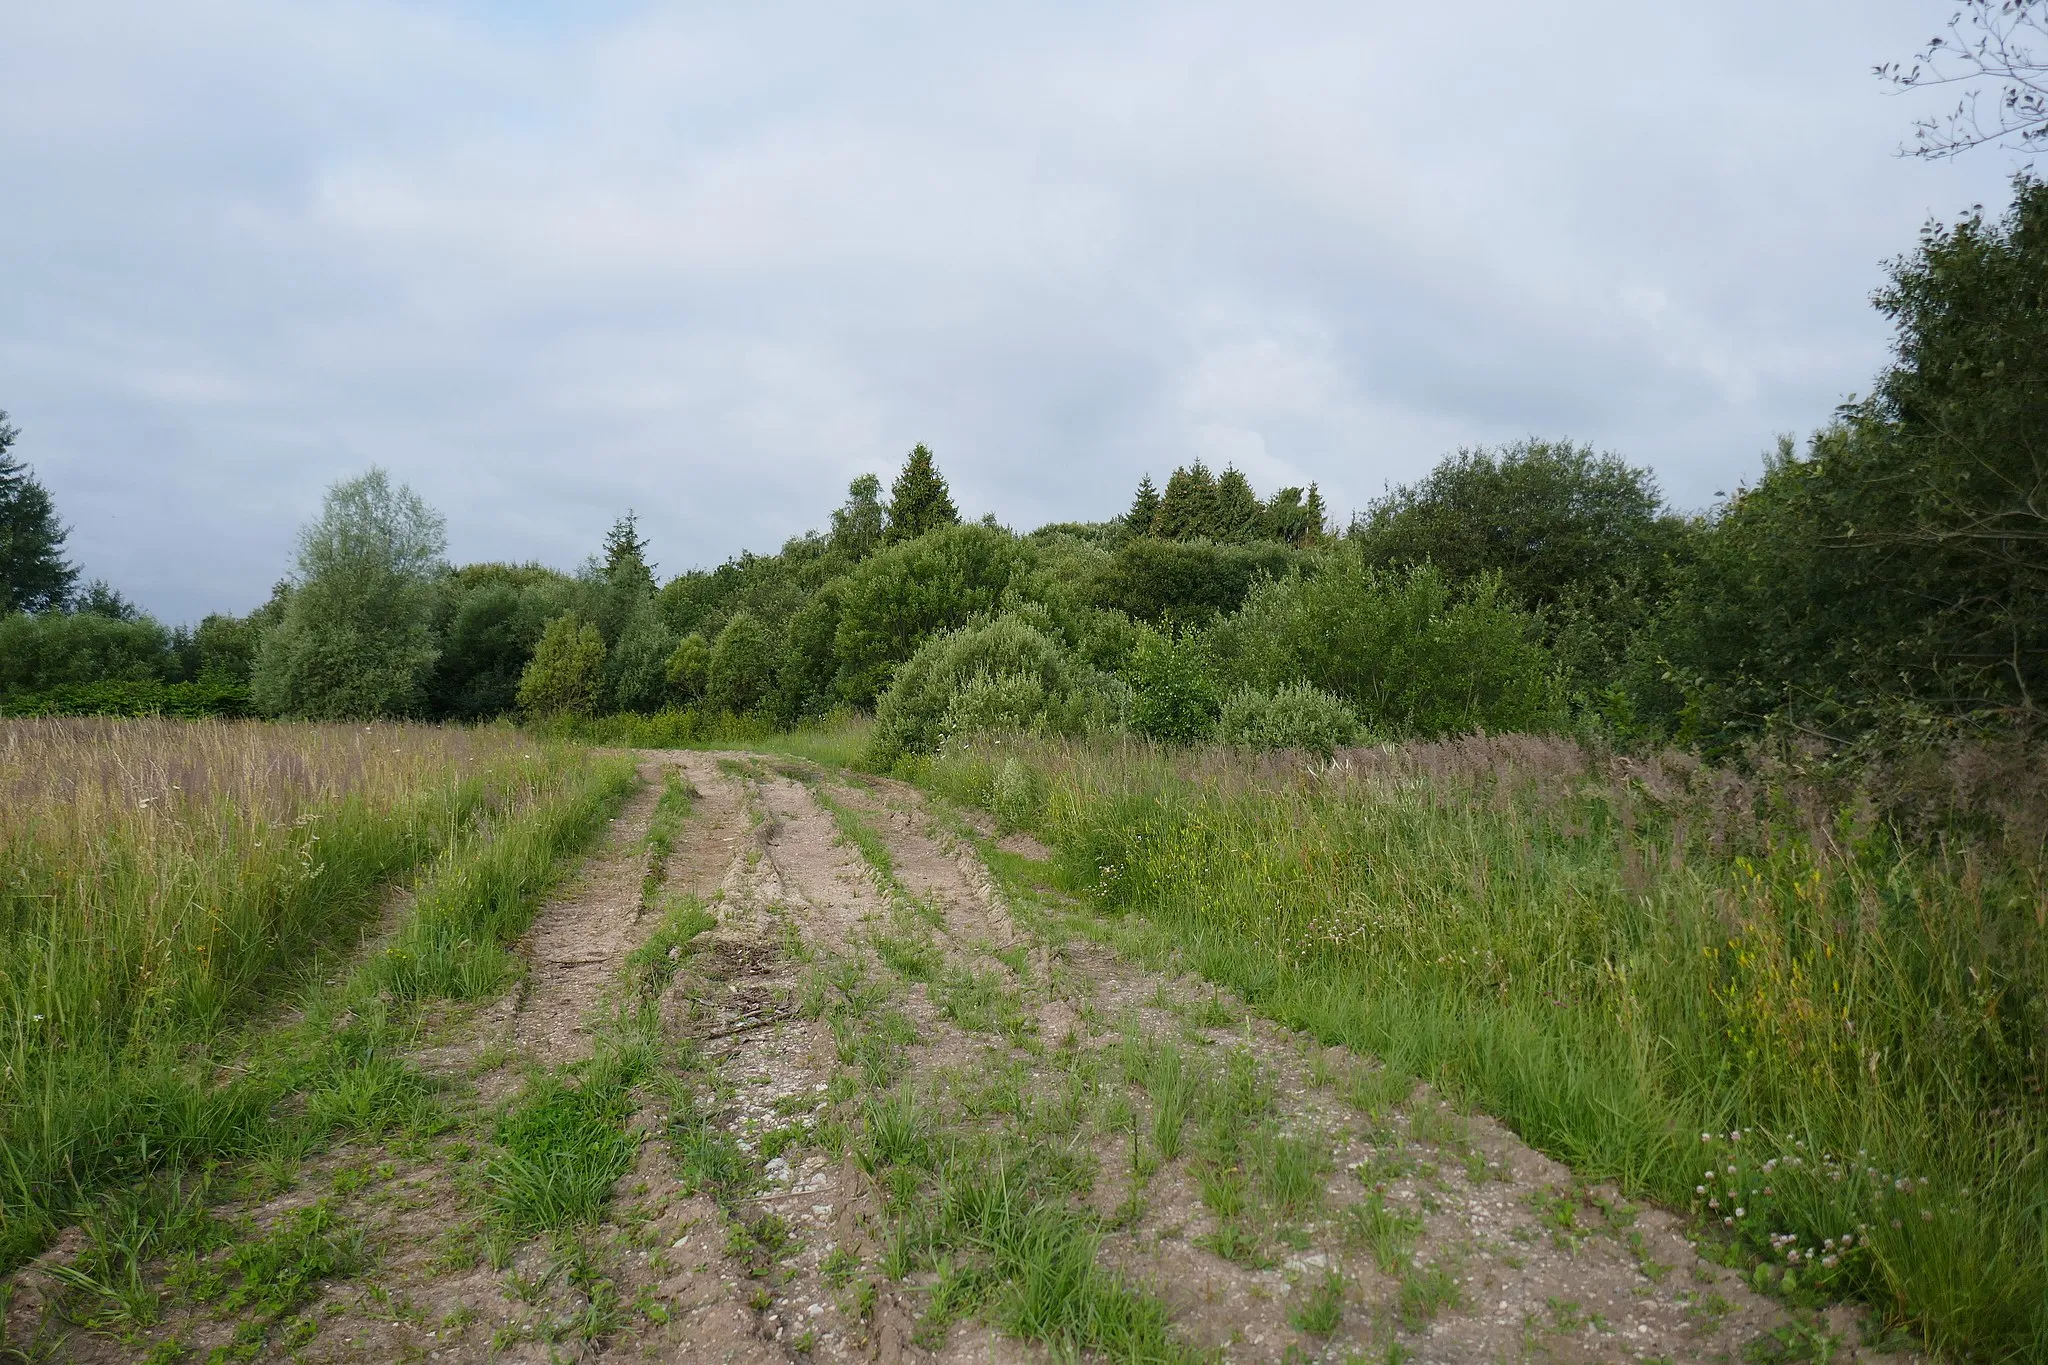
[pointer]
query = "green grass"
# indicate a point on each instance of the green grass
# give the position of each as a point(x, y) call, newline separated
point(1389, 1236)
point(670, 811)
point(652, 965)
point(1321, 1307)
point(562, 1148)
point(1615, 965)
point(1425, 1292)
point(184, 1089)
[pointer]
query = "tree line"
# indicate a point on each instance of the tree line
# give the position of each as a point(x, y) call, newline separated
point(1888, 575)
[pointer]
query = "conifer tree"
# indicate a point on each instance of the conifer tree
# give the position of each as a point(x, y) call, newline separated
point(1318, 519)
point(918, 500)
point(1235, 514)
point(34, 575)
point(1144, 509)
point(625, 556)
point(1188, 506)
point(1286, 518)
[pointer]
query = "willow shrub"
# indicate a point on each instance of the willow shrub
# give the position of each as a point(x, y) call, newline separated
point(1630, 963)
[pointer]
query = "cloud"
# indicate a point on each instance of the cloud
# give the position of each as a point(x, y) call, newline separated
point(549, 263)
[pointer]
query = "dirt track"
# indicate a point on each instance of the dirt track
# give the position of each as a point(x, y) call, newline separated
point(989, 1017)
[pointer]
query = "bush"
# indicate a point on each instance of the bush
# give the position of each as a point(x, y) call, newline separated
point(567, 672)
point(1188, 582)
point(1293, 716)
point(636, 666)
point(1410, 651)
point(741, 672)
point(1003, 673)
point(148, 697)
point(56, 649)
point(908, 592)
point(1173, 696)
point(994, 701)
point(689, 666)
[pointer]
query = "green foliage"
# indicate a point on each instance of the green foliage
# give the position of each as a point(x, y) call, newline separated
point(1291, 716)
point(1151, 579)
point(357, 637)
point(34, 575)
point(1144, 509)
point(741, 673)
point(58, 649)
point(1411, 652)
point(213, 696)
point(858, 526)
point(566, 676)
point(1296, 518)
point(913, 590)
point(226, 646)
point(919, 502)
point(1005, 672)
point(493, 616)
point(1547, 518)
point(636, 667)
point(1188, 507)
point(1235, 516)
point(688, 669)
point(1173, 691)
point(807, 684)
point(1899, 568)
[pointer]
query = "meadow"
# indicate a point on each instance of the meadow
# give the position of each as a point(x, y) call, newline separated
point(1756, 998)
point(166, 887)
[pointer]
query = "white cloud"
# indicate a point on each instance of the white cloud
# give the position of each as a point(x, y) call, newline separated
point(710, 265)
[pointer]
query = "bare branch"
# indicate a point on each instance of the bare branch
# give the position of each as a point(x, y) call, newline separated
point(2000, 44)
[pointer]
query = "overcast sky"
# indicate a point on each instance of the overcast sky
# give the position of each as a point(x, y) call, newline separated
point(548, 262)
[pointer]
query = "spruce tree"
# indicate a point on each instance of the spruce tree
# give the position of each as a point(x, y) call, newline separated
point(34, 575)
point(625, 556)
point(1144, 509)
point(1318, 519)
point(1235, 514)
point(1189, 504)
point(1286, 518)
point(918, 500)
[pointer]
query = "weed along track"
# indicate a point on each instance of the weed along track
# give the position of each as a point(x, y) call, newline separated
point(799, 1067)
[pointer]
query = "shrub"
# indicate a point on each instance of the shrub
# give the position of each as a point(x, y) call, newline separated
point(742, 666)
point(146, 697)
point(1413, 653)
point(636, 667)
point(56, 649)
point(1001, 673)
point(567, 672)
point(689, 666)
point(1189, 582)
point(1292, 716)
point(1173, 696)
point(994, 701)
point(898, 597)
